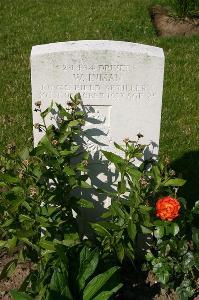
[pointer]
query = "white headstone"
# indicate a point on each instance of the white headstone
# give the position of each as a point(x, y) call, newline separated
point(120, 84)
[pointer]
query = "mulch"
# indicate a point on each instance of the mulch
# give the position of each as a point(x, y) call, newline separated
point(168, 25)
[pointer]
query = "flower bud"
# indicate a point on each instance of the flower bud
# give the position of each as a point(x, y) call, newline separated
point(25, 162)
point(85, 163)
point(126, 140)
point(21, 173)
point(54, 142)
point(37, 126)
point(11, 148)
point(38, 103)
point(139, 135)
point(172, 173)
point(167, 161)
point(143, 182)
point(33, 191)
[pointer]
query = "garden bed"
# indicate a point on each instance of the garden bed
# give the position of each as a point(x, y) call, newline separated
point(109, 265)
point(168, 25)
point(137, 285)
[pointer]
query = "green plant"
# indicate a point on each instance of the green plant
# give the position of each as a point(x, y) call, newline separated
point(39, 206)
point(131, 213)
point(37, 185)
point(141, 206)
point(174, 257)
point(69, 274)
point(186, 8)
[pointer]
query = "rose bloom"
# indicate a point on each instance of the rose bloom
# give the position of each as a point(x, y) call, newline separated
point(167, 208)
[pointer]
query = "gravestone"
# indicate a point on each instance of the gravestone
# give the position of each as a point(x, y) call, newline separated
point(120, 84)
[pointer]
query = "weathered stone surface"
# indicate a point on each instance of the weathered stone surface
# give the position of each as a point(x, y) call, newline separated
point(120, 84)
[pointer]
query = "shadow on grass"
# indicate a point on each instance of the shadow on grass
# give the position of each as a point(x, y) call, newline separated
point(188, 167)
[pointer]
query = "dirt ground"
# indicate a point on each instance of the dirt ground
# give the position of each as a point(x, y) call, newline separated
point(167, 25)
point(137, 285)
point(17, 278)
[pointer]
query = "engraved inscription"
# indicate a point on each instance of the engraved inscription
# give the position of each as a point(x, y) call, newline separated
point(97, 91)
point(97, 77)
point(97, 81)
point(96, 68)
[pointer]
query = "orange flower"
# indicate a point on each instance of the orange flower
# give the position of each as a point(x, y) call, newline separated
point(167, 208)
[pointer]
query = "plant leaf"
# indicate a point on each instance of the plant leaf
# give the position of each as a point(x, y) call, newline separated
point(9, 269)
point(120, 252)
point(109, 225)
point(85, 185)
point(195, 209)
point(107, 294)
point(113, 157)
point(175, 182)
point(26, 241)
point(121, 187)
point(11, 243)
point(100, 230)
point(71, 239)
point(46, 111)
point(48, 245)
point(195, 235)
point(118, 147)
point(173, 228)
point(159, 232)
point(69, 171)
point(59, 288)
point(85, 203)
point(132, 230)
point(8, 178)
point(163, 275)
point(25, 218)
point(20, 295)
point(145, 230)
point(62, 111)
point(2, 244)
point(87, 267)
point(94, 286)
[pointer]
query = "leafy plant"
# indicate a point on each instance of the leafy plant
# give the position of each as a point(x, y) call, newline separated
point(40, 202)
point(145, 207)
point(37, 200)
point(174, 257)
point(39, 205)
point(130, 216)
point(70, 274)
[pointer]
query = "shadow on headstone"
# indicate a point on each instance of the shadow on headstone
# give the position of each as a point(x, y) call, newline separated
point(102, 174)
point(188, 167)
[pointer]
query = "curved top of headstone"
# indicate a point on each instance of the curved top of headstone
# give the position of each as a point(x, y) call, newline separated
point(120, 84)
point(99, 45)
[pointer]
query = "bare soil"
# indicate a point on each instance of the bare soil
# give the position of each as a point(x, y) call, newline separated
point(167, 25)
point(16, 279)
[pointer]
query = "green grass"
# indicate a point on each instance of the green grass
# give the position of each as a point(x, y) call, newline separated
point(31, 22)
point(186, 8)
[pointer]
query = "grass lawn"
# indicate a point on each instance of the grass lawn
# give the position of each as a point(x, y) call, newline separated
point(31, 22)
